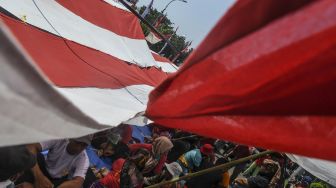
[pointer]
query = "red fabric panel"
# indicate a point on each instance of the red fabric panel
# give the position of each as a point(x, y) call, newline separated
point(274, 88)
point(68, 64)
point(249, 16)
point(159, 58)
point(106, 16)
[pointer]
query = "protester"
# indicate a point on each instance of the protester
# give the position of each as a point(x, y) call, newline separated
point(122, 174)
point(180, 147)
point(64, 166)
point(213, 179)
point(238, 152)
point(190, 161)
point(116, 162)
point(158, 152)
point(170, 171)
point(267, 177)
point(255, 166)
point(208, 154)
point(13, 162)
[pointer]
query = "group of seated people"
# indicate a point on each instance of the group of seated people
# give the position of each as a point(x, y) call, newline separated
point(115, 159)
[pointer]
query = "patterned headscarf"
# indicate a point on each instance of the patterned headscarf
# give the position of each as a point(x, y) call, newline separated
point(161, 146)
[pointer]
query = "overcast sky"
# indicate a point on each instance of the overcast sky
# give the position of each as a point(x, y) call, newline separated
point(195, 18)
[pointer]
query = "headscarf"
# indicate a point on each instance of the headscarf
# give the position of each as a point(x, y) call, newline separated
point(161, 146)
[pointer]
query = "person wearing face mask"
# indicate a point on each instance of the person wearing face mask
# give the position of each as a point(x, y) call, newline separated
point(14, 160)
point(64, 166)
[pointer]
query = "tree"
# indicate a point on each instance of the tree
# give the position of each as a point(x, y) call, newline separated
point(166, 28)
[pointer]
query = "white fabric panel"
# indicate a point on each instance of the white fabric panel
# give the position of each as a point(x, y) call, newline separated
point(109, 106)
point(31, 110)
point(139, 120)
point(324, 170)
point(167, 67)
point(75, 28)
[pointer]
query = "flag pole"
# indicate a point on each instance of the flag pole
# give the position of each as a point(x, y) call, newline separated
point(147, 9)
point(225, 167)
point(165, 45)
point(149, 25)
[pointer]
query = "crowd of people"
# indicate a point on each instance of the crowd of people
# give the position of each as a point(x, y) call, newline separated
point(116, 158)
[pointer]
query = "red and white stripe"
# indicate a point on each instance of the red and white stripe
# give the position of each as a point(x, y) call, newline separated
point(84, 26)
point(164, 62)
point(92, 52)
point(265, 78)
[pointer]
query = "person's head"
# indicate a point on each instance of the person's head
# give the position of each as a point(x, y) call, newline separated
point(174, 170)
point(107, 149)
point(121, 151)
point(207, 150)
point(268, 168)
point(161, 145)
point(140, 158)
point(77, 145)
point(15, 160)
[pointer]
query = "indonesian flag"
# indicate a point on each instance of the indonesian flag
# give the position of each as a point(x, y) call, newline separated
point(67, 70)
point(159, 21)
point(186, 47)
point(265, 78)
point(147, 9)
point(153, 38)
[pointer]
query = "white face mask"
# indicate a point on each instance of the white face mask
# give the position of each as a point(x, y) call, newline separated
point(7, 184)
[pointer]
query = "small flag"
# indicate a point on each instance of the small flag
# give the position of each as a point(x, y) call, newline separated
point(159, 21)
point(147, 10)
point(153, 38)
point(186, 47)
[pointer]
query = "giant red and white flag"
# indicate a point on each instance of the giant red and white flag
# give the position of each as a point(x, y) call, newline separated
point(92, 57)
point(264, 76)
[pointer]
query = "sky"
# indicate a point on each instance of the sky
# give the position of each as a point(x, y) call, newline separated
point(195, 18)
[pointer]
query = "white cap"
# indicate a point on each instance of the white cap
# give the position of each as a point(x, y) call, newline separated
point(174, 169)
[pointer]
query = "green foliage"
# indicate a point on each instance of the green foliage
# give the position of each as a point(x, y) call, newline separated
point(166, 28)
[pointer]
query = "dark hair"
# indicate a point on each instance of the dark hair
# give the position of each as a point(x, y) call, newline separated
point(121, 151)
point(13, 160)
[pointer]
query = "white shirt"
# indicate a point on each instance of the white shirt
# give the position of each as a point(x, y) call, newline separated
point(59, 163)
